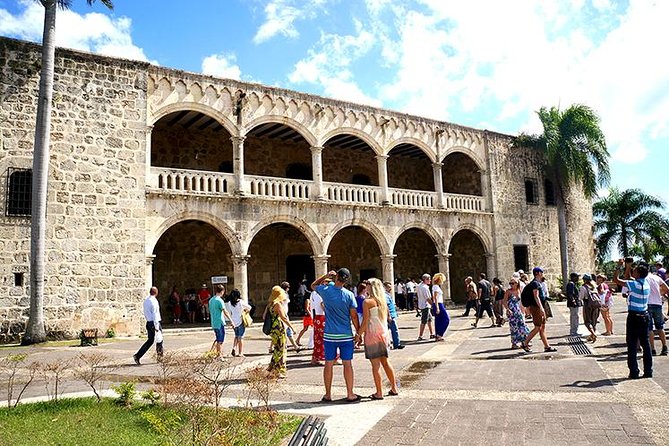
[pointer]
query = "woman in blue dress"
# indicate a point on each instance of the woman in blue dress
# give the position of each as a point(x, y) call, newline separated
point(517, 326)
point(441, 319)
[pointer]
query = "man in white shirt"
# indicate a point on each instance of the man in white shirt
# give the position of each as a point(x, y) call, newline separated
point(657, 289)
point(424, 304)
point(152, 316)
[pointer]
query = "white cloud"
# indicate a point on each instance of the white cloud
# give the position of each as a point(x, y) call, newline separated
point(222, 65)
point(93, 32)
point(281, 15)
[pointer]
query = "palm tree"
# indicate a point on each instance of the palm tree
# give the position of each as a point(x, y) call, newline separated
point(35, 329)
point(576, 155)
point(630, 220)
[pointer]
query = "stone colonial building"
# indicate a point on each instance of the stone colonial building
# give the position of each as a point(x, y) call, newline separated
point(165, 177)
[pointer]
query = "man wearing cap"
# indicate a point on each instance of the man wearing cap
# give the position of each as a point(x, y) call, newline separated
point(638, 319)
point(424, 306)
point(658, 289)
point(340, 307)
point(532, 297)
point(573, 303)
point(591, 305)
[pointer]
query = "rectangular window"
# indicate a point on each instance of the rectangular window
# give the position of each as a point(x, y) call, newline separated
point(18, 279)
point(520, 258)
point(531, 196)
point(549, 191)
point(19, 192)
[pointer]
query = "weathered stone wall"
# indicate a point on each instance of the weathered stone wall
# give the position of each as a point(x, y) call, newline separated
point(355, 249)
point(416, 255)
point(339, 165)
point(410, 173)
point(467, 259)
point(461, 175)
point(271, 157)
point(96, 203)
point(187, 148)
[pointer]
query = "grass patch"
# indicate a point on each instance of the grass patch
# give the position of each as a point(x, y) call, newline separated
point(83, 421)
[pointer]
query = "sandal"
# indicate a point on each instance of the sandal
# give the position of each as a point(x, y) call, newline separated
point(373, 397)
point(326, 400)
point(525, 347)
point(354, 400)
point(391, 393)
point(550, 349)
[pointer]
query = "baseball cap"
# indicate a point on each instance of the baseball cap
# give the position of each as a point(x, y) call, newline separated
point(344, 274)
point(537, 269)
point(574, 276)
point(587, 277)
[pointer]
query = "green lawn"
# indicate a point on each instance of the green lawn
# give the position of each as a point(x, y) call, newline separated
point(83, 421)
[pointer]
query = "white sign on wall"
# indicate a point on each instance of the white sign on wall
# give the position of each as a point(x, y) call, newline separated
point(219, 279)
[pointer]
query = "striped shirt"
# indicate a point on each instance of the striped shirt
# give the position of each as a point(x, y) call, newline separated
point(637, 299)
point(338, 303)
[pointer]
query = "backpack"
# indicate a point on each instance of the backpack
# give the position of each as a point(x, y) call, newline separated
point(527, 296)
point(267, 323)
point(593, 300)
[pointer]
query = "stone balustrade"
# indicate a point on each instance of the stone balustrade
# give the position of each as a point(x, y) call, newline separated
point(215, 183)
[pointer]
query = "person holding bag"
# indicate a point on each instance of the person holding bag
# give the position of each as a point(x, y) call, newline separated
point(237, 309)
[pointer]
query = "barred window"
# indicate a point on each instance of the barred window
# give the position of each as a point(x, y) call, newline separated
point(19, 192)
point(531, 196)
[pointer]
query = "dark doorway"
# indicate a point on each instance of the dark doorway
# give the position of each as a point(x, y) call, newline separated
point(368, 274)
point(298, 268)
point(520, 258)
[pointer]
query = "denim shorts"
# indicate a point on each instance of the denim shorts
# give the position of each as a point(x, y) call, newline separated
point(220, 334)
point(656, 317)
point(239, 331)
point(345, 350)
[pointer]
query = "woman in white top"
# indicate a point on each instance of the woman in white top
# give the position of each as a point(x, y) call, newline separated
point(374, 330)
point(441, 318)
point(236, 306)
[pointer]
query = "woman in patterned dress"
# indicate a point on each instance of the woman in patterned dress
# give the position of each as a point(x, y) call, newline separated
point(517, 326)
point(278, 332)
point(374, 330)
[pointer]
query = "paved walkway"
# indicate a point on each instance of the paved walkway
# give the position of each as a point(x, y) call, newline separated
point(471, 389)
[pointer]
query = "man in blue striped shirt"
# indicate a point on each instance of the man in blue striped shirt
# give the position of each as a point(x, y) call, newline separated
point(638, 319)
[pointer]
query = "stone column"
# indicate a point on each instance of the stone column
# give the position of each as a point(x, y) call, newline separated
point(438, 183)
point(317, 169)
point(321, 264)
point(241, 278)
point(388, 267)
point(382, 161)
point(485, 190)
point(443, 260)
point(238, 164)
point(147, 149)
point(148, 274)
point(490, 265)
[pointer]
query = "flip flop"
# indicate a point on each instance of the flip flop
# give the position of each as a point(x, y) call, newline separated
point(373, 397)
point(391, 393)
point(354, 400)
point(326, 400)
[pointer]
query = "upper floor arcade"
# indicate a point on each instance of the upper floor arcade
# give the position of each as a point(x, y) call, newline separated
point(236, 139)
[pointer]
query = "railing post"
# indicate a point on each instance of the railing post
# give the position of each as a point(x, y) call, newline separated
point(317, 172)
point(438, 183)
point(238, 164)
point(382, 162)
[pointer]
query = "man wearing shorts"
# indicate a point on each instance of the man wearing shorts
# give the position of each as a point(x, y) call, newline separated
point(536, 307)
point(657, 289)
point(424, 304)
point(217, 314)
point(340, 307)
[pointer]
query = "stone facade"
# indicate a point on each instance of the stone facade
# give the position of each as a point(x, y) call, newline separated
point(165, 177)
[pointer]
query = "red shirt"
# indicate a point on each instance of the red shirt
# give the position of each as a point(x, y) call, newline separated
point(204, 296)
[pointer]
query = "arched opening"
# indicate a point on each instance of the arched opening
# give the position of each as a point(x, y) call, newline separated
point(188, 255)
point(354, 248)
point(279, 252)
point(416, 255)
point(461, 175)
point(349, 159)
point(189, 139)
point(409, 168)
point(467, 259)
point(271, 148)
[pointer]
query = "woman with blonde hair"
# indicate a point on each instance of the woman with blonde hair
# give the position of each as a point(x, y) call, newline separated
point(441, 318)
point(374, 332)
point(278, 332)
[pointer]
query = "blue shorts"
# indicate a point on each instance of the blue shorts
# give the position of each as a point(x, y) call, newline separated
point(656, 317)
point(345, 350)
point(239, 331)
point(220, 334)
point(289, 332)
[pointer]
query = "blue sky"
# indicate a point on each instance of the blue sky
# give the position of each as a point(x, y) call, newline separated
point(488, 64)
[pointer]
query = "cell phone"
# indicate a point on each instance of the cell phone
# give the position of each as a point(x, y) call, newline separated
point(629, 259)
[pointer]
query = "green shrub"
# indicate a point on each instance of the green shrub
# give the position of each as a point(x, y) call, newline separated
point(126, 393)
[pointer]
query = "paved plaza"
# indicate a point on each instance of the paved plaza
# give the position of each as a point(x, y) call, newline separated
point(471, 389)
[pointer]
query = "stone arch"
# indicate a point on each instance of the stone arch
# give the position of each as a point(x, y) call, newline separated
point(468, 256)
point(219, 224)
point(194, 106)
point(297, 223)
point(373, 230)
point(478, 231)
point(465, 151)
point(462, 173)
point(279, 119)
point(427, 150)
point(437, 239)
point(371, 142)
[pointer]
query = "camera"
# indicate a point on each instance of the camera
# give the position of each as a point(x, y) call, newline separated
point(629, 259)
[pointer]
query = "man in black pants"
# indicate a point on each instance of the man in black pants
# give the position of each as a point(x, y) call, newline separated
point(485, 304)
point(152, 316)
point(638, 319)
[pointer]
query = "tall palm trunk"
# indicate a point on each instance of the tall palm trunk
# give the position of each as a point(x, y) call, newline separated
point(35, 329)
point(562, 233)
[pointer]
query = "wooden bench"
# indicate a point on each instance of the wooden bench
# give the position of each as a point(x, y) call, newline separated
point(310, 432)
point(88, 336)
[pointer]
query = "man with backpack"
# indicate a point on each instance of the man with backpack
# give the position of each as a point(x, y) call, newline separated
point(591, 305)
point(532, 298)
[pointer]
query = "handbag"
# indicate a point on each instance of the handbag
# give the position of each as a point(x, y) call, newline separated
point(267, 323)
point(158, 337)
point(547, 309)
point(246, 319)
